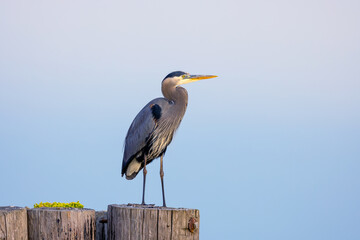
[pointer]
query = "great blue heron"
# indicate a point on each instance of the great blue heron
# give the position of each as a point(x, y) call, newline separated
point(153, 128)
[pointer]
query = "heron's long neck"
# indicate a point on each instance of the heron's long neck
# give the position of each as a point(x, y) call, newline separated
point(178, 95)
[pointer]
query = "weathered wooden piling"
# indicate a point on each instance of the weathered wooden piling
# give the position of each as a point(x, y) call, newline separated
point(13, 223)
point(61, 223)
point(101, 225)
point(152, 223)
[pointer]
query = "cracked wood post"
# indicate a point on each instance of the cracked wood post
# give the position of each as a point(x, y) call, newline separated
point(13, 223)
point(101, 225)
point(61, 223)
point(134, 221)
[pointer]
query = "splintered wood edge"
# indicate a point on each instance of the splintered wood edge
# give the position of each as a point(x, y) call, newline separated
point(61, 209)
point(150, 206)
point(11, 208)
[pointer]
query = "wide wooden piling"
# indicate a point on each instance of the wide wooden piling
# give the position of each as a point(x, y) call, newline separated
point(13, 223)
point(152, 223)
point(61, 223)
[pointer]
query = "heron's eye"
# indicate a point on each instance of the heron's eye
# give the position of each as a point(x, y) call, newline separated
point(185, 76)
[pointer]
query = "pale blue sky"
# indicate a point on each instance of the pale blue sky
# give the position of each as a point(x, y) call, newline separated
point(269, 150)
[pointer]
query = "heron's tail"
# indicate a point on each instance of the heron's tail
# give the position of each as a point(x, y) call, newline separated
point(132, 169)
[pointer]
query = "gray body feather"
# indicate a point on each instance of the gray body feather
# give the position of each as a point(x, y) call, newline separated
point(153, 129)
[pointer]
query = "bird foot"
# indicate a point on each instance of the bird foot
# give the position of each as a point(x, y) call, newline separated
point(141, 205)
point(148, 205)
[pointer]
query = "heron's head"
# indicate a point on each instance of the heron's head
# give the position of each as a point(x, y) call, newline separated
point(178, 78)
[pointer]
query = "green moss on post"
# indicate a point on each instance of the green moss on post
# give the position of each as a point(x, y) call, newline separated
point(59, 205)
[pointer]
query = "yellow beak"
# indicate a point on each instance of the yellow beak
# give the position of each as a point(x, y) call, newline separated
point(194, 78)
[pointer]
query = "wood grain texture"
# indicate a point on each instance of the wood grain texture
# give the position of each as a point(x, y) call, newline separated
point(101, 225)
point(61, 223)
point(13, 223)
point(140, 222)
point(164, 224)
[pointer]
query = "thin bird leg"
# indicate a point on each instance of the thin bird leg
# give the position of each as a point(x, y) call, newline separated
point(162, 179)
point(144, 172)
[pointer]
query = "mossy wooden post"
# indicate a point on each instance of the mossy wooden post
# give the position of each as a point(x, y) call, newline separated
point(152, 223)
point(61, 223)
point(13, 223)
